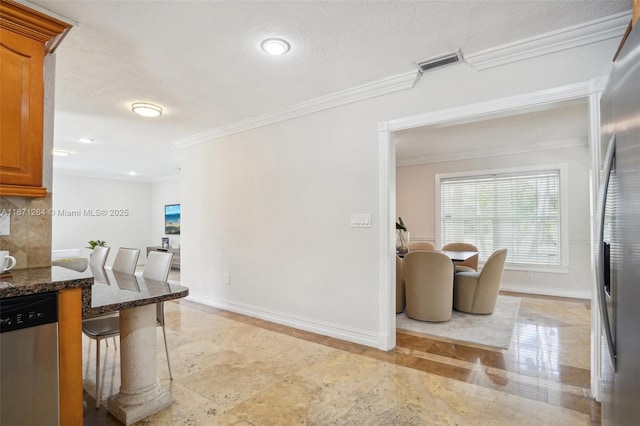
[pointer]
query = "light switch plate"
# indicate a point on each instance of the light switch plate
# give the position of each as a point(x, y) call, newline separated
point(5, 224)
point(361, 220)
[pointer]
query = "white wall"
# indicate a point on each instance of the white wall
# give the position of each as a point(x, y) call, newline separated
point(271, 206)
point(415, 203)
point(163, 193)
point(127, 222)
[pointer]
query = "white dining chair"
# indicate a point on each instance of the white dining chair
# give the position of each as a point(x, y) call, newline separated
point(98, 329)
point(126, 260)
point(99, 257)
point(157, 268)
point(102, 327)
point(96, 263)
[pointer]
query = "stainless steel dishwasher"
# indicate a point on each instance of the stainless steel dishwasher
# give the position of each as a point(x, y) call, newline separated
point(29, 394)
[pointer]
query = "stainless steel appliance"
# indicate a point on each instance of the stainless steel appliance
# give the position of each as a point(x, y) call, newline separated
point(618, 248)
point(29, 393)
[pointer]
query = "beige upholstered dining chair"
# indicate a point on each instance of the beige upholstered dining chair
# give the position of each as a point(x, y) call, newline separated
point(421, 245)
point(470, 264)
point(428, 282)
point(400, 297)
point(477, 292)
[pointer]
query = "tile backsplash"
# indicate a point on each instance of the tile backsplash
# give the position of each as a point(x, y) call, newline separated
point(30, 238)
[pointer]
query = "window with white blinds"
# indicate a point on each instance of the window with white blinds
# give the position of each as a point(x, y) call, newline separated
point(519, 211)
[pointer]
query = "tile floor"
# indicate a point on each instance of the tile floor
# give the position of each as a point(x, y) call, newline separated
point(230, 369)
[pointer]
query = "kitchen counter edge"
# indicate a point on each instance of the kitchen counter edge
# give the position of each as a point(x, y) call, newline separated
point(42, 280)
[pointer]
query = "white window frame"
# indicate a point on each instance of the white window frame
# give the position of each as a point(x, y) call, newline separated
point(564, 211)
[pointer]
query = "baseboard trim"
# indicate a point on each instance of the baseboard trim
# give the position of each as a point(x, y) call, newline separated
point(546, 291)
point(349, 334)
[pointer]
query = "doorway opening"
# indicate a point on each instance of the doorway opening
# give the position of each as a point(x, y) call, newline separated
point(392, 134)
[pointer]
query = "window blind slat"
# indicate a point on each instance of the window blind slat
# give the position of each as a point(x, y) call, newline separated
point(517, 211)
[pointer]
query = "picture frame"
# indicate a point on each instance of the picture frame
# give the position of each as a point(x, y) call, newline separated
point(172, 219)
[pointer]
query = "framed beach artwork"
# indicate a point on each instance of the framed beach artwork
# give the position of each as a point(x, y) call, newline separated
point(172, 219)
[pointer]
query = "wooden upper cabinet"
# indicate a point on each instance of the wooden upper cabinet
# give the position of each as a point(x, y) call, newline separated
point(26, 36)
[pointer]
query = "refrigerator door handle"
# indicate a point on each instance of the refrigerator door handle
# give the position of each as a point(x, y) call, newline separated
point(600, 261)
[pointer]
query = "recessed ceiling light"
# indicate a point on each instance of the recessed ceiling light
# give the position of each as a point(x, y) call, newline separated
point(86, 140)
point(61, 152)
point(146, 109)
point(132, 173)
point(275, 46)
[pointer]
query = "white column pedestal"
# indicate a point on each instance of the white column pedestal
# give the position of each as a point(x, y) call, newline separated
point(141, 394)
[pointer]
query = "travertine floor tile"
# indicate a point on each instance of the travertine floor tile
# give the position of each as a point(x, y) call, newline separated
point(233, 370)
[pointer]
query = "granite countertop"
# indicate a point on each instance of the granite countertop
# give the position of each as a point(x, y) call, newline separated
point(103, 290)
point(42, 280)
point(114, 291)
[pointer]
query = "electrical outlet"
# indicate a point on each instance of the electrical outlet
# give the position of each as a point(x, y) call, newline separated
point(227, 278)
point(5, 224)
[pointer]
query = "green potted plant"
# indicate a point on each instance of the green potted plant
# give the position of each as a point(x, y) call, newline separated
point(95, 243)
point(402, 237)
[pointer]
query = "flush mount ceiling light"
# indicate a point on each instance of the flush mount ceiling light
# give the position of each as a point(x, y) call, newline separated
point(61, 152)
point(146, 109)
point(275, 46)
point(86, 140)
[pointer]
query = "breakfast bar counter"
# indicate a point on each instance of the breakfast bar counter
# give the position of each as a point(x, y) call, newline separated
point(94, 292)
point(115, 291)
point(104, 297)
point(134, 297)
point(42, 280)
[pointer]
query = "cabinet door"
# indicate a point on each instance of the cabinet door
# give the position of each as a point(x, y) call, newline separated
point(21, 99)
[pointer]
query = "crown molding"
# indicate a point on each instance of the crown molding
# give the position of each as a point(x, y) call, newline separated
point(34, 22)
point(385, 86)
point(595, 31)
point(610, 27)
point(536, 147)
point(497, 107)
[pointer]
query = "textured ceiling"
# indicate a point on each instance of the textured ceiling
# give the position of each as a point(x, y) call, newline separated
point(201, 61)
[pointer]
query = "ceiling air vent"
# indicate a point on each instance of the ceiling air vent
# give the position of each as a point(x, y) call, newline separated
point(439, 61)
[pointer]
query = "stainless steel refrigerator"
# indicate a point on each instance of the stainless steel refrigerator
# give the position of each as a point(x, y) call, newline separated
point(618, 246)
